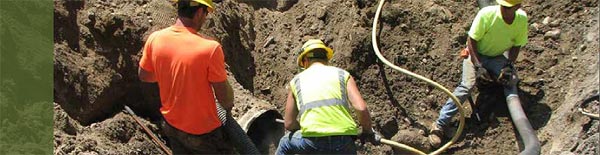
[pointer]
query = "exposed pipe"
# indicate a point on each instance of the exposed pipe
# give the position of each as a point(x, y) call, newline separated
point(235, 133)
point(264, 125)
point(433, 83)
point(530, 140)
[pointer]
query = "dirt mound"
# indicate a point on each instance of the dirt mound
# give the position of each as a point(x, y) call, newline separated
point(117, 135)
point(98, 43)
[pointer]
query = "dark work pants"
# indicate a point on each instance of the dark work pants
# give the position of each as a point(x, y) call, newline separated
point(214, 142)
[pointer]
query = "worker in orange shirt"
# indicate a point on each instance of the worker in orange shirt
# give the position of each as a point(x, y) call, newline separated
point(188, 67)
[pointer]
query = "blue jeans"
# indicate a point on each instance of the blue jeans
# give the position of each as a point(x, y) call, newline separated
point(493, 65)
point(294, 143)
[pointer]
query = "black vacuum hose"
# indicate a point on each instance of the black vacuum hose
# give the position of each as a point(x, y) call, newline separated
point(530, 140)
point(235, 133)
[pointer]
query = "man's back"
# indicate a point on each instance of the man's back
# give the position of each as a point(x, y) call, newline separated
point(185, 64)
point(322, 100)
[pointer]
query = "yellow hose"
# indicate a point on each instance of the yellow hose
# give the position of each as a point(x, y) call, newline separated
point(403, 146)
point(433, 83)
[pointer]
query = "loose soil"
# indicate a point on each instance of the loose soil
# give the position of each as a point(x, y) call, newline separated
point(98, 43)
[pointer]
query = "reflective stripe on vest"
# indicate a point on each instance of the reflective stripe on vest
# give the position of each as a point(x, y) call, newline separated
point(326, 102)
point(321, 98)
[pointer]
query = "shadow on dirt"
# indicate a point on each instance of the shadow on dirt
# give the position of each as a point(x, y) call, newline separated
point(492, 106)
point(71, 30)
point(237, 48)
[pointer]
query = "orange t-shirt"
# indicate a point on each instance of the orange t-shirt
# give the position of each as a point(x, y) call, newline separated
point(184, 64)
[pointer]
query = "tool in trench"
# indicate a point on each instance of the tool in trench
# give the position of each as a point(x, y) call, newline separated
point(433, 83)
point(474, 109)
point(235, 133)
point(158, 142)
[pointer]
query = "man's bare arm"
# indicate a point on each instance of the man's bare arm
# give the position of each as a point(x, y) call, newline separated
point(224, 94)
point(513, 53)
point(146, 76)
point(364, 117)
point(472, 46)
point(291, 112)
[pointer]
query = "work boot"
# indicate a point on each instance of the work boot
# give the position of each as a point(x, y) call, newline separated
point(435, 135)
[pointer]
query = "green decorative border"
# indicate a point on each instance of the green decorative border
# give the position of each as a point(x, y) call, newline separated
point(26, 68)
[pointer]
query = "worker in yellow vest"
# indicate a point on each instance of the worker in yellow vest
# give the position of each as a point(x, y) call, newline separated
point(321, 96)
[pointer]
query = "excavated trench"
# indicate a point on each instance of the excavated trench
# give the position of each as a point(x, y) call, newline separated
point(98, 43)
point(97, 55)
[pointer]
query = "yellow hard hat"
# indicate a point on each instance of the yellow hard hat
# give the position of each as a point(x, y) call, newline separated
point(311, 45)
point(208, 3)
point(509, 3)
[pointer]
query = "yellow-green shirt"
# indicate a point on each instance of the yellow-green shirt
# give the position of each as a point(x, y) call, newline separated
point(493, 35)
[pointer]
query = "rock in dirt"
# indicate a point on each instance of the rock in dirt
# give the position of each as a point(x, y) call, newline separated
point(546, 21)
point(555, 23)
point(554, 34)
point(411, 138)
point(535, 26)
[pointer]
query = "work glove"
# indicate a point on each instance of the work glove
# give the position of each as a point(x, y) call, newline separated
point(369, 136)
point(483, 74)
point(507, 76)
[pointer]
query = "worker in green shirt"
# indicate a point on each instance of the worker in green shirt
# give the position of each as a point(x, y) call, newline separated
point(496, 30)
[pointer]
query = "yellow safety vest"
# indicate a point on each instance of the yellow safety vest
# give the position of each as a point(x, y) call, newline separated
point(322, 101)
